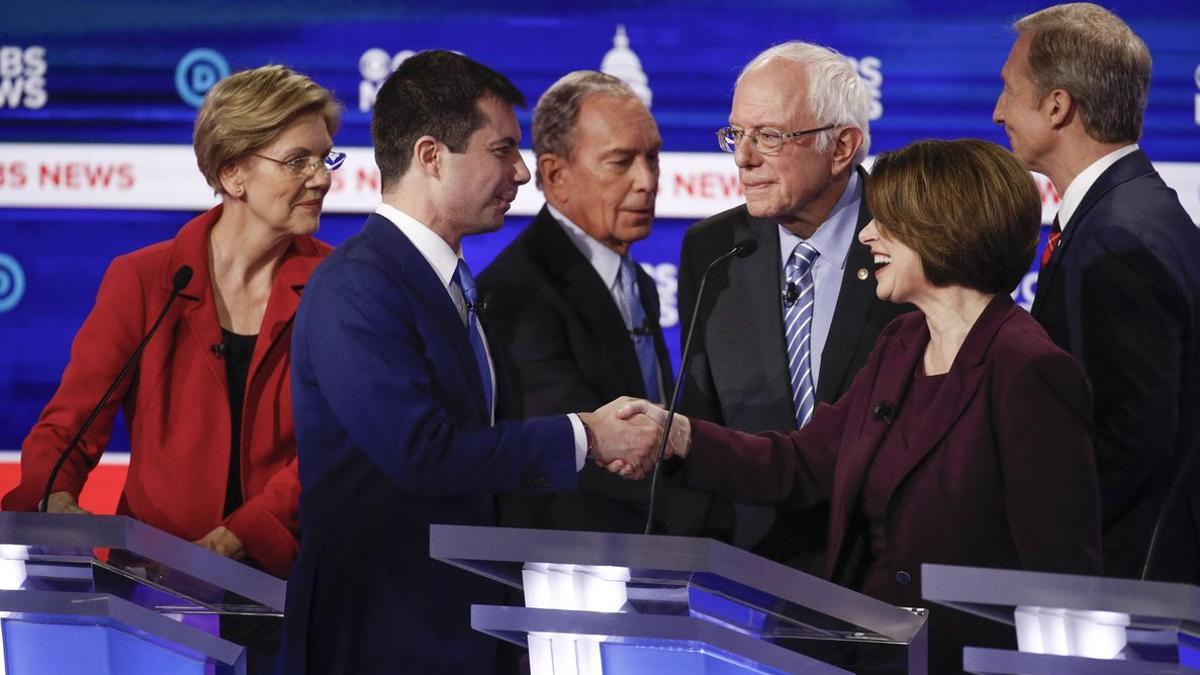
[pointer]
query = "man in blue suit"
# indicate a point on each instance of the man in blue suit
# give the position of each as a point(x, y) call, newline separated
point(395, 393)
point(1120, 284)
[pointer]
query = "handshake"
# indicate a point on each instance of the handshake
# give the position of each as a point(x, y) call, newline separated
point(624, 435)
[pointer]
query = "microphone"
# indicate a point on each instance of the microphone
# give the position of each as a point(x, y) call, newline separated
point(884, 411)
point(482, 306)
point(791, 294)
point(741, 249)
point(218, 349)
point(182, 276)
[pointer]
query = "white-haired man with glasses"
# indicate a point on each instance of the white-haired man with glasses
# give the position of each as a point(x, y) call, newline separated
point(790, 326)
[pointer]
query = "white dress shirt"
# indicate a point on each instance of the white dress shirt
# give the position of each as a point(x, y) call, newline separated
point(444, 261)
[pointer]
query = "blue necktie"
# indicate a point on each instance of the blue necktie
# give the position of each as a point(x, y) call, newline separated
point(798, 299)
point(639, 330)
point(466, 283)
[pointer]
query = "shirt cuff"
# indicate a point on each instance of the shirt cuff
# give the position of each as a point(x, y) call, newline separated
point(580, 441)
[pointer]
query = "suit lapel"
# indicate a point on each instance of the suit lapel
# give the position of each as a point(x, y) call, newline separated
point(648, 289)
point(583, 288)
point(855, 299)
point(428, 290)
point(1129, 167)
point(857, 455)
point(749, 281)
point(201, 325)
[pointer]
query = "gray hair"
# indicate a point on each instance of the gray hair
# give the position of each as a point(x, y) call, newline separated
point(836, 94)
point(1092, 54)
point(557, 110)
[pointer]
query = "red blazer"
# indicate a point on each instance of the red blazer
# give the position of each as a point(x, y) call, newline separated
point(1003, 476)
point(176, 402)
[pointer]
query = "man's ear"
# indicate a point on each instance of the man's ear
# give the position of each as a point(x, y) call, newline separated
point(427, 156)
point(554, 171)
point(1059, 108)
point(846, 142)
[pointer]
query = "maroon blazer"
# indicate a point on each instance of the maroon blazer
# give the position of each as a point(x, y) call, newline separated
point(1004, 474)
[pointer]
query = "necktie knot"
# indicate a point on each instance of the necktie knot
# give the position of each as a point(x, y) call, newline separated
point(801, 261)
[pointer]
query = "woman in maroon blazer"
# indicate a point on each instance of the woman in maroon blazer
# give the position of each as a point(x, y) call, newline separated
point(213, 452)
point(965, 438)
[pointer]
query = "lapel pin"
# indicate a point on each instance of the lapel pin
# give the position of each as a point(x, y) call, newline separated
point(862, 274)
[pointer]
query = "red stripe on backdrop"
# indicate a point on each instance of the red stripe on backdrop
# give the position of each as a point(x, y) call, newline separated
point(100, 495)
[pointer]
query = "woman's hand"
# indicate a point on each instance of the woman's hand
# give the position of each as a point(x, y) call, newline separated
point(223, 542)
point(63, 502)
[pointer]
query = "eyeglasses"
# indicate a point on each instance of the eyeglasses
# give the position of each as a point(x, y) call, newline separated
point(307, 166)
point(765, 141)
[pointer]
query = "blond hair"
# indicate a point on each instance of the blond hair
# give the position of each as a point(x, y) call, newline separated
point(246, 111)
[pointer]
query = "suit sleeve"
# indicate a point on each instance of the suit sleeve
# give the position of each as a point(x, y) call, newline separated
point(1133, 324)
point(1051, 497)
point(372, 365)
point(699, 396)
point(267, 523)
point(104, 342)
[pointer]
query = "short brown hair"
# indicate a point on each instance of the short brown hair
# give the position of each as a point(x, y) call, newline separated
point(1092, 54)
point(245, 111)
point(968, 208)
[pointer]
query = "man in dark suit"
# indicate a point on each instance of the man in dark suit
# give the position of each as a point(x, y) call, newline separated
point(798, 130)
point(395, 393)
point(1119, 285)
point(573, 313)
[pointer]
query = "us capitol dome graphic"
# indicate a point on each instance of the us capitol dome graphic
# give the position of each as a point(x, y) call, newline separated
point(621, 62)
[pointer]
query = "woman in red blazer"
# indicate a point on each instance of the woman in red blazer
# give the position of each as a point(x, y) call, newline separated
point(213, 452)
point(965, 439)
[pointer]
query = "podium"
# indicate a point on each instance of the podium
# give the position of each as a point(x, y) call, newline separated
point(618, 603)
point(1074, 624)
point(109, 594)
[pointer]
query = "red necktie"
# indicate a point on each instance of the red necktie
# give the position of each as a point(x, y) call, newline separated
point(1051, 243)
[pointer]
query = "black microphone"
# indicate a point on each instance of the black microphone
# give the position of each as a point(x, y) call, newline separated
point(218, 349)
point(884, 411)
point(739, 250)
point(182, 276)
point(481, 306)
point(791, 294)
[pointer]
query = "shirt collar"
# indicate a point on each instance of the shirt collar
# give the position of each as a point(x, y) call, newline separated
point(442, 258)
point(603, 259)
point(833, 238)
point(1075, 192)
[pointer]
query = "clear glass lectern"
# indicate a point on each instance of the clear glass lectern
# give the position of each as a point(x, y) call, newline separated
point(620, 603)
point(109, 594)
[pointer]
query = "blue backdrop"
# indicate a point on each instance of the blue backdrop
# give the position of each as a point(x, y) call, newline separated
point(132, 72)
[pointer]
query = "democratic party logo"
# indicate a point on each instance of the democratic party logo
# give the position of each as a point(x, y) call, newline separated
point(22, 77)
point(197, 72)
point(12, 282)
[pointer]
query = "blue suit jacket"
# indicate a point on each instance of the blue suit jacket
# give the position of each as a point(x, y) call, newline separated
point(1122, 294)
point(393, 435)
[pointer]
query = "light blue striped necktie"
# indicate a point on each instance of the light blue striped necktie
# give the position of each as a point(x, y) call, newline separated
point(798, 300)
point(639, 329)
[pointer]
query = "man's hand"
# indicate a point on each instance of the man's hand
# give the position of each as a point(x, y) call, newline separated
point(681, 426)
point(681, 429)
point(63, 502)
point(223, 542)
point(625, 446)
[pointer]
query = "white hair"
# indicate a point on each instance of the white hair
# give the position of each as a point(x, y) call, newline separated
point(836, 94)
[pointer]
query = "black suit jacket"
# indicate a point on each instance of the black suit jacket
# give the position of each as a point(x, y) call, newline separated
point(1122, 294)
point(738, 375)
point(554, 322)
